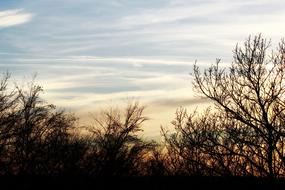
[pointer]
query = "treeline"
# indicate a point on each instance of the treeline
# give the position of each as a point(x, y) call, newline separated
point(243, 135)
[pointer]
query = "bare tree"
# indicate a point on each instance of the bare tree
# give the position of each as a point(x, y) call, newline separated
point(115, 146)
point(251, 93)
point(35, 138)
point(200, 145)
point(38, 139)
point(8, 105)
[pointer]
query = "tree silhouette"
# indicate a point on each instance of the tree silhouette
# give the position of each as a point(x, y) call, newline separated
point(8, 105)
point(244, 135)
point(115, 148)
point(38, 139)
point(202, 145)
point(251, 93)
point(35, 137)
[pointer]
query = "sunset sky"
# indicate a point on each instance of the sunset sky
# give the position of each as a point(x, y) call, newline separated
point(90, 54)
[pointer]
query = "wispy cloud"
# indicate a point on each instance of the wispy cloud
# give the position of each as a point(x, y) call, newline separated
point(96, 51)
point(14, 17)
point(170, 14)
point(91, 61)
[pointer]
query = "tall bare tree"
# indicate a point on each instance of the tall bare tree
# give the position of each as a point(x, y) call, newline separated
point(252, 93)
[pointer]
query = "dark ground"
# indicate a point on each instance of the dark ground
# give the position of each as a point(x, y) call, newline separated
point(173, 183)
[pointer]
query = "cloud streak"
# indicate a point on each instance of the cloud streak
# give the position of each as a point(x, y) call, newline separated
point(170, 14)
point(10, 18)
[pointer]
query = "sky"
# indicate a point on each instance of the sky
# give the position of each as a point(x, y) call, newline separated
point(90, 54)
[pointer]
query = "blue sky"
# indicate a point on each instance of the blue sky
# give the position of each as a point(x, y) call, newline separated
point(93, 53)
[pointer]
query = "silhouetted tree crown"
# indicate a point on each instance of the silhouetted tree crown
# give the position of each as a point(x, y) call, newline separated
point(251, 93)
point(116, 148)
